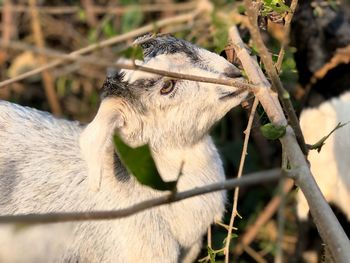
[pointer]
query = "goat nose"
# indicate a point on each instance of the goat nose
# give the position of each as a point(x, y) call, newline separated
point(232, 72)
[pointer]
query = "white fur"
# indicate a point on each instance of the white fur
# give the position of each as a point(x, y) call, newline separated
point(330, 167)
point(47, 165)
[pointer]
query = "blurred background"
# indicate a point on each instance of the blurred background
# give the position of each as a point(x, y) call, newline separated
point(39, 32)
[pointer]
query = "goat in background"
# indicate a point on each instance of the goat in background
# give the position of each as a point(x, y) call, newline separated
point(45, 163)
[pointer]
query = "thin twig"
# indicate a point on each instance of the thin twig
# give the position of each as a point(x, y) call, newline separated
point(269, 210)
point(106, 63)
point(327, 223)
point(252, 179)
point(281, 211)
point(240, 171)
point(117, 39)
point(252, 14)
point(255, 255)
point(286, 32)
point(48, 80)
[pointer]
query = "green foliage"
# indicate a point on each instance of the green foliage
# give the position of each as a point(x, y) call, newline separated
point(273, 132)
point(131, 19)
point(277, 6)
point(108, 29)
point(220, 34)
point(140, 163)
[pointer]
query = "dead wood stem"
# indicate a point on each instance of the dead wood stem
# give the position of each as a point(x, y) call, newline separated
point(252, 179)
point(48, 80)
point(111, 41)
point(240, 172)
point(327, 224)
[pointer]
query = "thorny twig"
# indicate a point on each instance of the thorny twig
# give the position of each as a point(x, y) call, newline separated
point(252, 179)
point(240, 172)
point(264, 216)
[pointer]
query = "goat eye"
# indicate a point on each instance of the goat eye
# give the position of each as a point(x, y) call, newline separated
point(168, 86)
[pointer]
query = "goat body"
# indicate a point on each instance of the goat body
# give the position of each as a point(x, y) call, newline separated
point(46, 165)
point(330, 167)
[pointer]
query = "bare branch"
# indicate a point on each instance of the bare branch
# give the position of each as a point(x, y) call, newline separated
point(252, 179)
point(117, 39)
point(240, 171)
point(48, 80)
point(327, 224)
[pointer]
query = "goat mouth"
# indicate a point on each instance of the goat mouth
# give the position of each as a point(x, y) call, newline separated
point(234, 94)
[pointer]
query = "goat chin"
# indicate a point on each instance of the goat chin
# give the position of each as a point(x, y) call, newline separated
point(42, 170)
point(330, 167)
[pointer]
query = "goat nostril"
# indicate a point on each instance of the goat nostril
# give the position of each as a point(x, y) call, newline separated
point(232, 72)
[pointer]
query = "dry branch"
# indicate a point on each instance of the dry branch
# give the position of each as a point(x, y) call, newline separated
point(327, 224)
point(49, 83)
point(117, 39)
point(252, 179)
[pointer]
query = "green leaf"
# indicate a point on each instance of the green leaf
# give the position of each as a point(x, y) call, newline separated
point(273, 132)
point(140, 163)
point(277, 6)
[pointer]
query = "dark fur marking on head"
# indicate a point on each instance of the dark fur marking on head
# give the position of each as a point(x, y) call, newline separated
point(166, 44)
point(115, 86)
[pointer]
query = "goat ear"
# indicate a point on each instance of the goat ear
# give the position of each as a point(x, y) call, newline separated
point(96, 140)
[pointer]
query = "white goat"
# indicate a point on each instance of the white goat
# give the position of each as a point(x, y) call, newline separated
point(44, 164)
point(330, 167)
